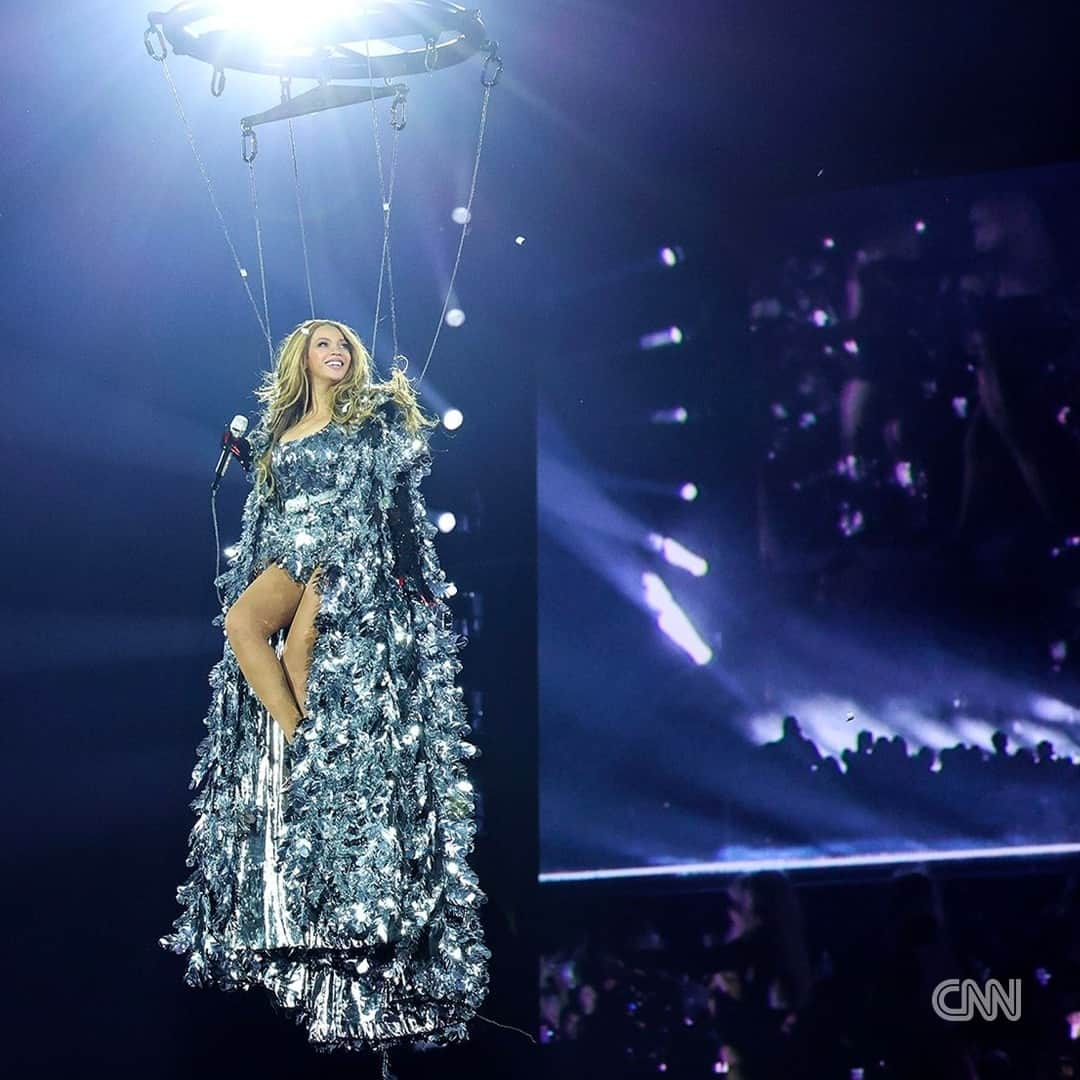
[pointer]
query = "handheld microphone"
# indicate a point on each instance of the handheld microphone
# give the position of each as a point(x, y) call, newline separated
point(230, 445)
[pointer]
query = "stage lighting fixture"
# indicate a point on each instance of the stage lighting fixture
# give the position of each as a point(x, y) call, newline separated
point(280, 25)
point(519, 240)
point(671, 256)
point(672, 620)
point(231, 551)
point(455, 317)
point(677, 555)
point(688, 492)
point(819, 317)
point(671, 335)
point(445, 521)
point(452, 419)
point(461, 215)
point(678, 415)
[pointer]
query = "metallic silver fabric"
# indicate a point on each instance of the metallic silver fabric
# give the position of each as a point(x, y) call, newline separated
point(333, 871)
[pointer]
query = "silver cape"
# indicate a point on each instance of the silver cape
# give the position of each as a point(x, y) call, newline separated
point(333, 871)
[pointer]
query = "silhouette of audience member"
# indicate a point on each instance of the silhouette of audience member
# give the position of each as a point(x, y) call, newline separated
point(793, 750)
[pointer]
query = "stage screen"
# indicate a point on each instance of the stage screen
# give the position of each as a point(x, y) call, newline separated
point(809, 494)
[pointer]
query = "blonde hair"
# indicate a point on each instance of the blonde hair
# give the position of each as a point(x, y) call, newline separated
point(287, 394)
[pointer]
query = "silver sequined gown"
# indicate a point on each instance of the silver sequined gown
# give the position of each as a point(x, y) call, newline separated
point(333, 871)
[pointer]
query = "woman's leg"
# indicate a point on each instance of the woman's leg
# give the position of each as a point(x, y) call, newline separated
point(266, 606)
point(301, 637)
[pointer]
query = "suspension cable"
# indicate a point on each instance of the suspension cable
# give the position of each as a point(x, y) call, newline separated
point(300, 216)
point(386, 196)
point(386, 192)
point(488, 86)
point(386, 264)
point(213, 200)
point(259, 249)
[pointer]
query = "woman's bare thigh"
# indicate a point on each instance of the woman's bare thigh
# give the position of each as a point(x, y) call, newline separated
point(267, 605)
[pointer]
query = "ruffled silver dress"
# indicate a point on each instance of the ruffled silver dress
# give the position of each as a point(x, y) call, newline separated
point(333, 871)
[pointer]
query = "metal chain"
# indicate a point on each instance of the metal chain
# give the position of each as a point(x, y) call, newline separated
point(262, 265)
point(213, 200)
point(386, 201)
point(488, 86)
point(300, 216)
point(387, 263)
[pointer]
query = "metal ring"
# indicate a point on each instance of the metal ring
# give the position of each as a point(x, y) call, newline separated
point(249, 145)
point(431, 53)
point(155, 31)
point(398, 114)
point(493, 57)
point(217, 82)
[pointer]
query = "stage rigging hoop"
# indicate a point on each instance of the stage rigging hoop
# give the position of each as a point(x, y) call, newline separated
point(367, 40)
point(219, 35)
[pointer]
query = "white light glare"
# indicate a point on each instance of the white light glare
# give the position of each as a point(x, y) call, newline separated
point(455, 317)
point(446, 521)
point(671, 335)
point(672, 619)
point(452, 419)
point(231, 551)
point(677, 555)
point(281, 24)
point(519, 240)
point(671, 256)
point(688, 492)
point(461, 215)
point(920, 226)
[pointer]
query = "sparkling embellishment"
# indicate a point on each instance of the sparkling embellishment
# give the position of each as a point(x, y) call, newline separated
point(301, 861)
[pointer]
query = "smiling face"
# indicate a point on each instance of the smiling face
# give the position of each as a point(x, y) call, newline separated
point(329, 356)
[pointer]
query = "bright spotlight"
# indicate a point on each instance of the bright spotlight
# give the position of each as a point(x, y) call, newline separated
point(446, 521)
point(672, 619)
point(920, 226)
point(231, 551)
point(688, 492)
point(828, 243)
point(672, 335)
point(455, 317)
point(452, 419)
point(671, 256)
point(451, 589)
point(677, 555)
point(519, 240)
point(461, 215)
point(279, 24)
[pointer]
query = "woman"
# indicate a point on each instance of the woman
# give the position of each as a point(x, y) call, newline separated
point(335, 817)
